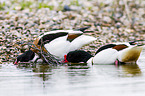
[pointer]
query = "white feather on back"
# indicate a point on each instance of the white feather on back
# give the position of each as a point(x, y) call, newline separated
point(125, 43)
point(107, 56)
point(80, 41)
point(58, 47)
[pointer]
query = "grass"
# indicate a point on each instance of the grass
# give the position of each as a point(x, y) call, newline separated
point(2, 6)
point(25, 4)
point(44, 5)
point(75, 2)
point(31, 4)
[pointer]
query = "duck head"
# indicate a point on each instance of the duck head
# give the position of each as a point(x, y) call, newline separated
point(77, 56)
point(25, 57)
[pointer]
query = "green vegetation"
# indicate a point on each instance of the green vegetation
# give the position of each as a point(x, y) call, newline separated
point(17, 5)
point(25, 4)
point(31, 4)
point(44, 5)
point(75, 2)
point(2, 5)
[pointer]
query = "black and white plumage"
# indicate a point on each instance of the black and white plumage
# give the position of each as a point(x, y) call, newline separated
point(60, 42)
point(73, 40)
point(108, 54)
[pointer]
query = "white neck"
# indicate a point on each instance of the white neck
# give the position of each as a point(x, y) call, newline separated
point(90, 61)
point(35, 57)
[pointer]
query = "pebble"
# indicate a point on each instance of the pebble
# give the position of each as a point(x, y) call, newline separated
point(67, 8)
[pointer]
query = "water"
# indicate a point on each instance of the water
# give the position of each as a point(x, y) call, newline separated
point(73, 80)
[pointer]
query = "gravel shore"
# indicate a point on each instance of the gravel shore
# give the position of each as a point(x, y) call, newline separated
point(21, 21)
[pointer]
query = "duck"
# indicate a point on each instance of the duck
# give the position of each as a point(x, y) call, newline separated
point(73, 40)
point(115, 53)
point(104, 55)
point(57, 43)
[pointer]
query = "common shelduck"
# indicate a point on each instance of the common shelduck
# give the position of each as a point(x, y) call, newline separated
point(105, 55)
point(108, 54)
point(58, 43)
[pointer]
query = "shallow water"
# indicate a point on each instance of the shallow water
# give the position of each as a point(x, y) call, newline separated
point(73, 80)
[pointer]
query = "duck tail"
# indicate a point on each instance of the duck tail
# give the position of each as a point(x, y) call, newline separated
point(83, 29)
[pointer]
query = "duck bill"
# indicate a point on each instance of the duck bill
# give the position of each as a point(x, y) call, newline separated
point(65, 60)
point(16, 63)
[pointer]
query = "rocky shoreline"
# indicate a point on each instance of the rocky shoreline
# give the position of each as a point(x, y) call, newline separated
point(21, 21)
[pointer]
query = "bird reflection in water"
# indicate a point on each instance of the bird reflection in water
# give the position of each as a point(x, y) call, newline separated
point(77, 70)
point(77, 66)
point(131, 70)
point(45, 71)
point(40, 70)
